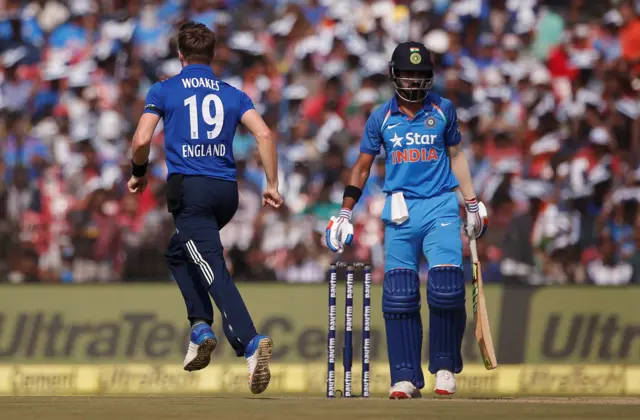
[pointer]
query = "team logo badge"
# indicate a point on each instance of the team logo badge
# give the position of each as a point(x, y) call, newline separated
point(430, 122)
point(415, 58)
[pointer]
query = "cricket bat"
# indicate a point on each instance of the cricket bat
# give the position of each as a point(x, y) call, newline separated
point(482, 328)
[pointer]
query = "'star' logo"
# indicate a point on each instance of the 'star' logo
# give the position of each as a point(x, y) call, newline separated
point(397, 141)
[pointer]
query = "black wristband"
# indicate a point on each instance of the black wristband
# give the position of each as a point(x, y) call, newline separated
point(139, 170)
point(353, 192)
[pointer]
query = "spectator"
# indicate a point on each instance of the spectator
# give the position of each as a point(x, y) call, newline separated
point(607, 269)
point(547, 95)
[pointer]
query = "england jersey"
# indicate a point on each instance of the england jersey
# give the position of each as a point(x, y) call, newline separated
point(201, 114)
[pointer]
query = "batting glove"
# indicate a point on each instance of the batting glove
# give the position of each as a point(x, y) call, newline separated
point(477, 218)
point(339, 232)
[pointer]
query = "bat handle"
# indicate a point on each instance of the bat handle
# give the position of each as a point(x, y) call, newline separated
point(474, 250)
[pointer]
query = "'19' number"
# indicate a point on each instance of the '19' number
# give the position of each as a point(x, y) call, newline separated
point(215, 121)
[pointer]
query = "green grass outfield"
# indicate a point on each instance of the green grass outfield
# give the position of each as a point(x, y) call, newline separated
point(312, 408)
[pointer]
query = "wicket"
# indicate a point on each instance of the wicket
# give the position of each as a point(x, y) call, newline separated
point(347, 349)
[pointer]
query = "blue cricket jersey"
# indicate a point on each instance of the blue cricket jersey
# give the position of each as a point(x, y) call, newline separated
point(417, 163)
point(201, 114)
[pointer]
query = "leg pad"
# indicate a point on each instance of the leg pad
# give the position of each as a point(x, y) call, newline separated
point(447, 318)
point(401, 309)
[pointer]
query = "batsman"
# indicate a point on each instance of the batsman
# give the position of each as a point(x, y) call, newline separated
point(425, 166)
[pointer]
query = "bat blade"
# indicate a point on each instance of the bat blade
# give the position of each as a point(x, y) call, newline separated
point(481, 316)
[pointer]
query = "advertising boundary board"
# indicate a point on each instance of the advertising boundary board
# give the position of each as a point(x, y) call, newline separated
point(143, 379)
point(146, 324)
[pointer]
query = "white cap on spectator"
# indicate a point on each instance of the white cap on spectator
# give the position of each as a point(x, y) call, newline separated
point(626, 194)
point(355, 44)
point(511, 42)
point(581, 31)
point(55, 70)
point(524, 24)
point(599, 136)
point(629, 108)
point(540, 76)
point(234, 81)
point(452, 23)
point(170, 68)
point(109, 125)
point(339, 9)
point(366, 96)
point(613, 17)
point(546, 144)
point(515, 70)
point(469, 73)
point(223, 18)
point(12, 56)
point(90, 93)
point(283, 26)
point(493, 77)
point(111, 174)
point(245, 41)
point(82, 7)
point(79, 79)
point(533, 188)
point(508, 166)
point(418, 6)
point(52, 15)
point(585, 59)
point(122, 31)
point(104, 48)
point(263, 83)
point(374, 64)
point(296, 92)
point(308, 45)
point(333, 68)
point(80, 130)
point(599, 174)
point(80, 74)
point(437, 41)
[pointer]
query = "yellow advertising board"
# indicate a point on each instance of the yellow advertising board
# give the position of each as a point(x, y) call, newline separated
point(148, 379)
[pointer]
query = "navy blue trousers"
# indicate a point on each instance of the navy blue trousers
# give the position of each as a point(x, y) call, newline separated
point(201, 207)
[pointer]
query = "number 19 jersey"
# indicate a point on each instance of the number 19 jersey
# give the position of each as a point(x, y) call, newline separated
point(200, 115)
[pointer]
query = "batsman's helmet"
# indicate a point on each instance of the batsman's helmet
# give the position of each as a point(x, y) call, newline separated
point(414, 60)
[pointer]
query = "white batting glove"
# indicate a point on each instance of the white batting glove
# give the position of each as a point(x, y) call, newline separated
point(339, 232)
point(477, 218)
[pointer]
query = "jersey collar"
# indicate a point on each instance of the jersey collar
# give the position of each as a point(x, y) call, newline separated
point(197, 67)
point(426, 104)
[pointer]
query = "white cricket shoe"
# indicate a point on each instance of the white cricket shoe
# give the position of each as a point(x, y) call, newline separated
point(445, 383)
point(203, 342)
point(404, 390)
point(258, 353)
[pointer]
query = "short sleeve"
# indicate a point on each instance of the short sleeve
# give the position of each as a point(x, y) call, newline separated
point(246, 104)
point(372, 137)
point(452, 134)
point(155, 103)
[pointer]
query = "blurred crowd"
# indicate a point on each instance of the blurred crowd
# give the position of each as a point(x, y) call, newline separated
point(546, 92)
